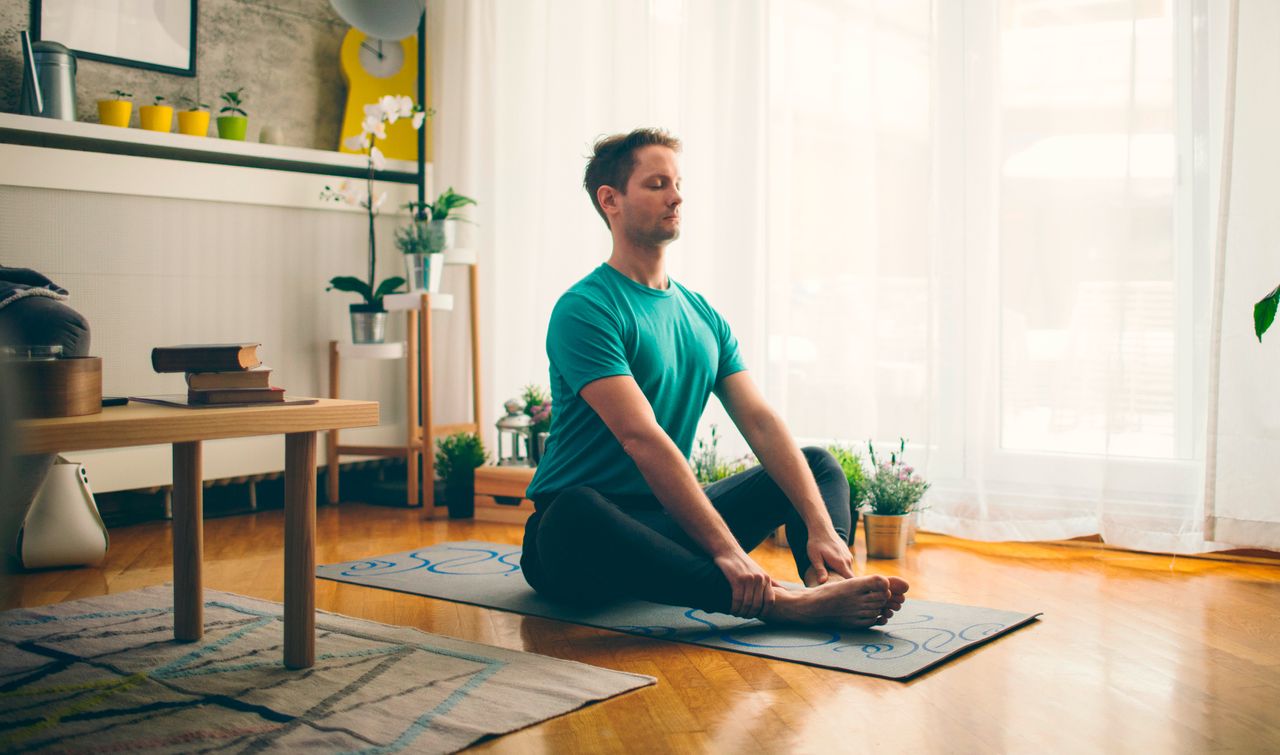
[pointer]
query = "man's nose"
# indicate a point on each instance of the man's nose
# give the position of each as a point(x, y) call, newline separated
point(676, 198)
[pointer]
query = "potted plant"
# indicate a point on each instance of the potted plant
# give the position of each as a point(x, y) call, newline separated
point(851, 463)
point(368, 320)
point(236, 121)
point(537, 405)
point(423, 251)
point(891, 495)
point(457, 457)
point(116, 111)
point(193, 119)
point(431, 234)
point(156, 117)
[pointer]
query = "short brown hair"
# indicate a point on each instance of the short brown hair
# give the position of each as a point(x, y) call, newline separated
point(614, 159)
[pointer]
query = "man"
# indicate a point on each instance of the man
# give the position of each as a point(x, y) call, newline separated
point(634, 357)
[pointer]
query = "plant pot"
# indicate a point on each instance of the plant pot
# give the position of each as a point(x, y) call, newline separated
point(156, 117)
point(424, 272)
point(444, 235)
point(232, 127)
point(368, 323)
point(193, 122)
point(115, 112)
point(460, 492)
point(886, 534)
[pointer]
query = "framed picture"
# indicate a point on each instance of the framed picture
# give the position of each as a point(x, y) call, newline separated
point(159, 35)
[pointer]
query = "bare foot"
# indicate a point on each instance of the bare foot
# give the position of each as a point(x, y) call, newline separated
point(811, 577)
point(853, 603)
point(897, 596)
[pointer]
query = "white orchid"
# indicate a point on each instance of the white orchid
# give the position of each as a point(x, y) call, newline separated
point(373, 127)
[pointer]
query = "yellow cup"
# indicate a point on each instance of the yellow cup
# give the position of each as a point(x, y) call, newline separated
point(156, 117)
point(193, 122)
point(115, 112)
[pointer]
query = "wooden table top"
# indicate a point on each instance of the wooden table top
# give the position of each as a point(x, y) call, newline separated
point(138, 424)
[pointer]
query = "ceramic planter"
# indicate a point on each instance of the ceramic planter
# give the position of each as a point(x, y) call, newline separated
point(886, 534)
point(115, 112)
point(193, 122)
point(460, 492)
point(232, 127)
point(156, 117)
point(368, 323)
point(424, 272)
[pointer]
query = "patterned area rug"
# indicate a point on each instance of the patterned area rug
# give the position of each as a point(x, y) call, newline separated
point(105, 674)
point(921, 636)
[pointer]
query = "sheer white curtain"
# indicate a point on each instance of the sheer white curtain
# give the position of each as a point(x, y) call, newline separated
point(1243, 490)
point(981, 225)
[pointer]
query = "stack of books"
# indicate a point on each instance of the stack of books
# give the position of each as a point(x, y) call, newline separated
point(219, 373)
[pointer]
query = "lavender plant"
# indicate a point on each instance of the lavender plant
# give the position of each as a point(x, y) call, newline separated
point(893, 488)
point(707, 465)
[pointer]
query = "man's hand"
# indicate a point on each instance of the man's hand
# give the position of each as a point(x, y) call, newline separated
point(827, 552)
point(752, 587)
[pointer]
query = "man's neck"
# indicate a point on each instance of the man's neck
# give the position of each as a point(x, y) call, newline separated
point(645, 266)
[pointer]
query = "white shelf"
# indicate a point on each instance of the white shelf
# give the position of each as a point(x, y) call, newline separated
point(413, 300)
point(460, 257)
point(372, 350)
point(34, 131)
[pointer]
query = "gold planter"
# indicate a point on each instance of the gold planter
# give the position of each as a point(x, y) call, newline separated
point(886, 534)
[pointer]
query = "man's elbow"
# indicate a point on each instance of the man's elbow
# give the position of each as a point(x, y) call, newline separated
point(642, 442)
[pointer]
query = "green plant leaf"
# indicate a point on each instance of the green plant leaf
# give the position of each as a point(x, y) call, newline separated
point(388, 286)
point(1264, 312)
point(350, 284)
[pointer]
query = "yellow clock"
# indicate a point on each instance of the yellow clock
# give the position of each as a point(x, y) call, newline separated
point(374, 68)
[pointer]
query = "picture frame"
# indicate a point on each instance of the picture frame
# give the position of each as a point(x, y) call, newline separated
point(158, 35)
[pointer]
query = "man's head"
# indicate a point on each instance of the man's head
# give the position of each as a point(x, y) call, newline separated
point(612, 171)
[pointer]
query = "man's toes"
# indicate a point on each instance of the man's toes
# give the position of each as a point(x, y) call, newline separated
point(874, 584)
point(898, 585)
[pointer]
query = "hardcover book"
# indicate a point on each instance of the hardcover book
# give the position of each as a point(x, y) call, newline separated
point(205, 357)
point(258, 377)
point(236, 396)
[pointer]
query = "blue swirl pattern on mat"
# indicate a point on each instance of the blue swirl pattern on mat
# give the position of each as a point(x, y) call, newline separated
point(919, 632)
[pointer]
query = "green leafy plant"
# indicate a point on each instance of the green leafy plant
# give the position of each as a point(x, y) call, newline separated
point(707, 465)
point(192, 105)
point(441, 209)
point(458, 454)
point(119, 95)
point(1264, 312)
point(537, 404)
point(851, 462)
point(235, 102)
point(157, 100)
point(420, 237)
point(893, 488)
point(372, 296)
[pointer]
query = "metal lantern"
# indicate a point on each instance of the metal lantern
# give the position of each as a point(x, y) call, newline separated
point(517, 428)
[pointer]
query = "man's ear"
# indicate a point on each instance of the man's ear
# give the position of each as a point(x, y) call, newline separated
point(607, 196)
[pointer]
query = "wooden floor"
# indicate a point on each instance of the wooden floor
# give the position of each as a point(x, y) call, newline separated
point(1134, 653)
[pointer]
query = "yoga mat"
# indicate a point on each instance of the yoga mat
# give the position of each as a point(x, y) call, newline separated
point(922, 635)
point(105, 674)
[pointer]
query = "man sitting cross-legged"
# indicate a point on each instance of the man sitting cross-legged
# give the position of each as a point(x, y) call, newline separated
point(634, 358)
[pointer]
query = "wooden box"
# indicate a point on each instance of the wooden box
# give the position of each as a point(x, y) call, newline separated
point(66, 387)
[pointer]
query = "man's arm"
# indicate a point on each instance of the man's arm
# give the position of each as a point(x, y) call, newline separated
point(771, 442)
point(628, 415)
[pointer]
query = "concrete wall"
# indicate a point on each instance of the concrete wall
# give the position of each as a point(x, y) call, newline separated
point(283, 52)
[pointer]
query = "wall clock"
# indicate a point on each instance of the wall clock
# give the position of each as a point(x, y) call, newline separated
point(373, 68)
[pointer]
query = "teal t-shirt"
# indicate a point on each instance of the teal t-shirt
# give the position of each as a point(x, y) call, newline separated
point(675, 345)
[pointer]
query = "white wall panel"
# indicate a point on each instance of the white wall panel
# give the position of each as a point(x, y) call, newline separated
point(148, 271)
